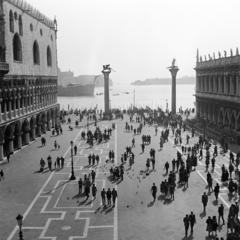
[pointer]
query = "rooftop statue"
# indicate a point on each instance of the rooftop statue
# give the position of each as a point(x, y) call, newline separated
point(173, 62)
point(225, 53)
point(237, 52)
point(214, 56)
point(231, 52)
point(219, 54)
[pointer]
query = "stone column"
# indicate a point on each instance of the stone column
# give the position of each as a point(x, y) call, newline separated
point(106, 72)
point(39, 130)
point(0, 111)
point(1, 151)
point(14, 106)
point(237, 85)
point(5, 110)
point(231, 84)
point(214, 84)
point(27, 137)
point(10, 145)
point(49, 124)
point(19, 138)
point(225, 83)
point(173, 70)
point(33, 132)
point(10, 108)
point(18, 105)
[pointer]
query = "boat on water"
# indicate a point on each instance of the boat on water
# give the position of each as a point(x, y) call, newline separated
point(76, 90)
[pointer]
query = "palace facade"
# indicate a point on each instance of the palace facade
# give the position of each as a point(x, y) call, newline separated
point(28, 75)
point(218, 92)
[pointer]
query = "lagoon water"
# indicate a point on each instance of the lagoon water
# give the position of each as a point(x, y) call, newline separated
point(153, 96)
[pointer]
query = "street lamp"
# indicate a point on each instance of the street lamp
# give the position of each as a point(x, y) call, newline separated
point(19, 219)
point(72, 172)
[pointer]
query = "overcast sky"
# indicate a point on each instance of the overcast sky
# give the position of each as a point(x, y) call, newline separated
point(139, 38)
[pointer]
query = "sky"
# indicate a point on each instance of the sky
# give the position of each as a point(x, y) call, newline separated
point(139, 38)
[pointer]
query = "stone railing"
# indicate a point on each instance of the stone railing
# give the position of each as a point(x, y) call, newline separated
point(4, 68)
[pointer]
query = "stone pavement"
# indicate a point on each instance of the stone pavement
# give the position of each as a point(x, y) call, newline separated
point(53, 209)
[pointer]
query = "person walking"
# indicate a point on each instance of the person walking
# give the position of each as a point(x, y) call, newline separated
point(221, 213)
point(114, 196)
point(49, 160)
point(154, 191)
point(109, 196)
point(133, 142)
point(166, 167)
point(186, 224)
point(94, 191)
point(103, 196)
point(204, 201)
point(192, 220)
point(216, 191)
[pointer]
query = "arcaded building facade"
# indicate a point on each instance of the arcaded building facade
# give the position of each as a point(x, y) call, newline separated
point(218, 91)
point(28, 75)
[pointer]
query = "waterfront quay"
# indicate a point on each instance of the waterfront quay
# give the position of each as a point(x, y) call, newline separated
point(53, 209)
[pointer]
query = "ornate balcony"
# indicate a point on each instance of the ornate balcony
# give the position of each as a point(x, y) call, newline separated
point(4, 68)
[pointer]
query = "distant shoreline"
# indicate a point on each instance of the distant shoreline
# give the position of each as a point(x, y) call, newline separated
point(164, 81)
point(157, 84)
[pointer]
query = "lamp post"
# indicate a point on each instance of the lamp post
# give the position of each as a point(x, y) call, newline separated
point(72, 172)
point(19, 219)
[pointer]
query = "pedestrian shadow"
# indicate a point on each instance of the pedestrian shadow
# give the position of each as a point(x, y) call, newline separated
point(79, 195)
point(45, 170)
point(161, 197)
point(215, 202)
point(41, 146)
point(108, 210)
point(82, 202)
point(184, 189)
point(89, 202)
point(97, 209)
point(151, 204)
point(202, 214)
point(164, 175)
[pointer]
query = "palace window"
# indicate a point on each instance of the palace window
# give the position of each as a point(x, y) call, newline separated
point(11, 21)
point(49, 57)
point(17, 48)
point(20, 25)
point(36, 54)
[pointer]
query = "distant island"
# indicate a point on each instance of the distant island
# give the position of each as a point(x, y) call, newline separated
point(164, 81)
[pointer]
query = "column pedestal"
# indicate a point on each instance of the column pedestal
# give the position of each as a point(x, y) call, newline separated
point(27, 138)
point(33, 134)
point(10, 146)
point(19, 141)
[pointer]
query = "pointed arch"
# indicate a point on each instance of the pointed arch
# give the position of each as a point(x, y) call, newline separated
point(49, 57)
point(36, 53)
point(17, 48)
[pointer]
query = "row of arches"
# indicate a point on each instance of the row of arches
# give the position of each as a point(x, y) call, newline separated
point(221, 116)
point(17, 51)
point(19, 133)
